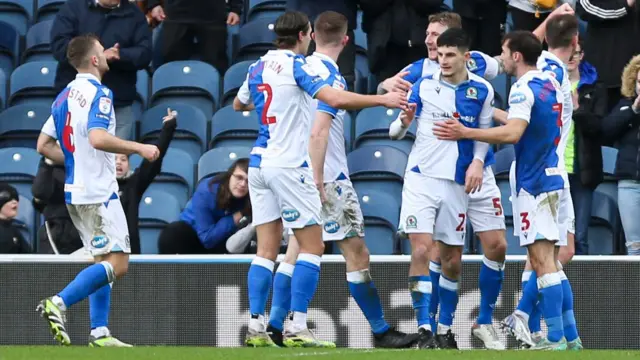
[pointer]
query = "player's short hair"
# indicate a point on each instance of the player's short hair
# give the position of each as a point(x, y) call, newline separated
point(224, 197)
point(447, 18)
point(80, 48)
point(287, 28)
point(560, 30)
point(454, 37)
point(330, 27)
point(526, 43)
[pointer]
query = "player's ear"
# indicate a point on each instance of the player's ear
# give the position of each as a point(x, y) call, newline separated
point(313, 36)
point(345, 40)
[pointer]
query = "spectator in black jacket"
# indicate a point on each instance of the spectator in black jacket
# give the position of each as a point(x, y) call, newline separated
point(11, 241)
point(623, 127)
point(482, 20)
point(204, 20)
point(124, 33)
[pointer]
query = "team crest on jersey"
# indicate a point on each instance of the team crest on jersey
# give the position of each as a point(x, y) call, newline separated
point(104, 105)
point(471, 65)
point(472, 93)
point(412, 222)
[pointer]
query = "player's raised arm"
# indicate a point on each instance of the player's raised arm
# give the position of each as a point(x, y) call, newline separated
point(47, 145)
point(399, 127)
point(541, 30)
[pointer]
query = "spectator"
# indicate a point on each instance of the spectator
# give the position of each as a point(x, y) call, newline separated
point(529, 14)
point(611, 40)
point(395, 32)
point(48, 199)
point(482, 20)
point(348, 8)
point(623, 127)
point(583, 155)
point(213, 219)
point(204, 20)
point(124, 33)
point(11, 241)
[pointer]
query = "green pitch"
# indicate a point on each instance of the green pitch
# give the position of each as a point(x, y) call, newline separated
point(191, 353)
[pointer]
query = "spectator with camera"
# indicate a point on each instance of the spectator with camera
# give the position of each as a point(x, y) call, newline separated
point(11, 241)
point(216, 219)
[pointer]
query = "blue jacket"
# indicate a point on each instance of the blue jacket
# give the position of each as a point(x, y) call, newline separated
point(214, 226)
point(124, 25)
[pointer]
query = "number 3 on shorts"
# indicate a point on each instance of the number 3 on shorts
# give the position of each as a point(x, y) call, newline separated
point(524, 219)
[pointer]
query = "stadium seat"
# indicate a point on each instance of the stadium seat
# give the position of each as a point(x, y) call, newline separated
point(513, 242)
point(189, 82)
point(254, 40)
point(156, 210)
point(38, 43)
point(604, 225)
point(372, 128)
point(501, 90)
point(362, 65)
point(33, 82)
point(380, 222)
point(190, 135)
point(233, 79)
point(20, 125)
point(142, 93)
point(9, 47)
point(47, 9)
point(504, 157)
point(377, 168)
point(265, 9)
point(26, 221)
point(19, 167)
point(3, 89)
point(219, 160)
point(176, 177)
point(232, 128)
point(347, 129)
point(361, 84)
point(18, 13)
point(609, 158)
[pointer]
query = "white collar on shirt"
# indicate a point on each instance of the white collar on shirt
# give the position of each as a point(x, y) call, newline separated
point(88, 77)
point(327, 58)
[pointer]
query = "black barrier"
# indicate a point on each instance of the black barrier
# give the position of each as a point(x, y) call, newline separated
point(203, 302)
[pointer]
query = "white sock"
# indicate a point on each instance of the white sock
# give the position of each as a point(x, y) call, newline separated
point(57, 300)
point(257, 324)
point(523, 315)
point(299, 321)
point(425, 326)
point(443, 329)
point(100, 331)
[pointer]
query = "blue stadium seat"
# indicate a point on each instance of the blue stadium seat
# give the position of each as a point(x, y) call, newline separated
point(177, 175)
point(233, 79)
point(18, 13)
point(142, 93)
point(156, 210)
point(232, 128)
point(9, 47)
point(504, 157)
point(347, 129)
point(254, 40)
point(513, 242)
point(20, 125)
point(219, 160)
point(372, 128)
point(361, 85)
point(26, 221)
point(604, 225)
point(19, 167)
point(3, 89)
point(609, 158)
point(362, 65)
point(377, 168)
point(380, 222)
point(38, 43)
point(265, 9)
point(190, 135)
point(189, 82)
point(47, 9)
point(501, 90)
point(360, 40)
point(33, 82)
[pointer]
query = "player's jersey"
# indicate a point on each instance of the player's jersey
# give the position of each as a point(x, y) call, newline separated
point(552, 64)
point(281, 85)
point(335, 165)
point(90, 174)
point(537, 98)
point(438, 101)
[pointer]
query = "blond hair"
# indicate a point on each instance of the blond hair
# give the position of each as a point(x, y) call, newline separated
point(447, 18)
point(629, 77)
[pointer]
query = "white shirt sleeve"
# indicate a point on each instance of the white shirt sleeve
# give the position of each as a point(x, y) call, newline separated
point(396, 131)
point(521, 101)
point(244, 95)
point(49, 128)
point(480, 149)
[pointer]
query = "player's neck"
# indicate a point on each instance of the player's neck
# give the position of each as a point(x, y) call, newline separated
point(92, 71)
point(456, 79)
point(564, 54)
point(574, 75)
point(331, 52)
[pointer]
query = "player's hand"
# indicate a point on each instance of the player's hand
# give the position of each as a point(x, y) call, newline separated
point(171, 115)
point(233, 19)
point(395, 100)
point(323, 195)
point(473, 178)
point(451, 129)
point(564, 9)
point(397, 83)
point(113, 53)
point(408, 115)
point(149, 152)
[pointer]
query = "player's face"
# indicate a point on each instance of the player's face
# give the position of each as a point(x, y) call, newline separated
point(122, 165)
point(100, 59)
point(576, 59)
point(507, 60)
point(452, 60)
point(9, 210)
point(239, 183)
point(433, 31)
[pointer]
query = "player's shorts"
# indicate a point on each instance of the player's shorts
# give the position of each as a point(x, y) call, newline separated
point(287, 193)
point(341, 213)
point(538, 216)
point(485, 207)
point(434, 206)
point(102, 227)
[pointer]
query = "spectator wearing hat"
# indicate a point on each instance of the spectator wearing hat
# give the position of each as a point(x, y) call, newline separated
point(11, 241)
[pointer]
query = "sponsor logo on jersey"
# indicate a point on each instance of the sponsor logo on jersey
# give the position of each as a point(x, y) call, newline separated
point(517, 98)
point(412, 222)
point(472, 93)
point(104, 105)
point(331, 227)
point(290, 215)
point(99, 242)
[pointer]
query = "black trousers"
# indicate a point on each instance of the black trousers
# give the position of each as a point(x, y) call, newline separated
point(346, 60)
point(178, 43)
point(64, 235)
point(399, 57)
point(485, 28)
point(523, 20)
point(180, 238)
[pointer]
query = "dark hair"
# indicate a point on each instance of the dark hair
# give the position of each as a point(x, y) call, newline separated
point(288, 27)
point(330, 27)
point(79, 49)
point(447, 18)
point(526, 44)
point(225, 198)
point(560, 30)
point(454, 37)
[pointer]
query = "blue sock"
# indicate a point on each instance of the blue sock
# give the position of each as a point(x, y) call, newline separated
point(535, 317)
point(281, 302)
point(421, 290)
point(551, 299)
point(490, 283)
point(365, 294)
point(434, 272)
point(529, 295)
point(259, 284)
point(99, 304)
point(448, 300)
point(304, 282)
point(87, 282)
point(568, 319)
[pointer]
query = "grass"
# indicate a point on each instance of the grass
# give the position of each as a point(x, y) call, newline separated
point(196, 353)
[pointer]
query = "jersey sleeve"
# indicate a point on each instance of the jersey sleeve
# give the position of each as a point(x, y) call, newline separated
point(336, 83)
point(415, 71)
point(483, 65)
point(306, 77)
point(486, 115)
point(521, 101)
point(414, 96)
point(49, 128)
point(101, 110)
point(244, 95)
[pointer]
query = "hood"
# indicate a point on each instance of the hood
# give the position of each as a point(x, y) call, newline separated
point(588, 74)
